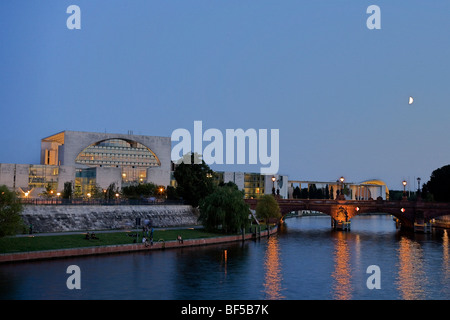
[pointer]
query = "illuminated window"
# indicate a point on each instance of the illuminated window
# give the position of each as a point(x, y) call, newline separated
point(117, 152)
point(133, 157)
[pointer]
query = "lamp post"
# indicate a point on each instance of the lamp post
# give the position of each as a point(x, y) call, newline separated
point(273, 185)
point(404, 189)
point(418, 189)
point(341, 189)
point(341, 179)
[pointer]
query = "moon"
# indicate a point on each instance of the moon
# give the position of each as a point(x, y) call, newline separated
point(411, 100)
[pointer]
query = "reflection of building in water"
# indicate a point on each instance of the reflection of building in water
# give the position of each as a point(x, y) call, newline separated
point(273, 278)
point(411, 278)
point(342, 287)
point(445, 263)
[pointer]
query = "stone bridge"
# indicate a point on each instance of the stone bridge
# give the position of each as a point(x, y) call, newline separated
point(410, 214)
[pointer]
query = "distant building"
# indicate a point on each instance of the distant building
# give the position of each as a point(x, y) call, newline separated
point(256, 184)
point(366, 190)
point(96, 160)
point(92, 160)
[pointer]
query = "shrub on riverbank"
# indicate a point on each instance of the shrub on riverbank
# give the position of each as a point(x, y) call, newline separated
point(10, 208)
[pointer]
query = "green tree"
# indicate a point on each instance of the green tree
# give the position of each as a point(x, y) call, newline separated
point(96, 192)
point(172, 193)
point(10, 209)
point(267, 208)
point(142, 190)
point(304, 194)
point(68, 190)
point(439, 184)
point(296, 194)
point(194, 181)
point(224, 208)
point(111, 192)
point(48, 192)
point(327, 192)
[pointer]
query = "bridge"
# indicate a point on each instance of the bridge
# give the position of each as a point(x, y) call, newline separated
point(414, 215)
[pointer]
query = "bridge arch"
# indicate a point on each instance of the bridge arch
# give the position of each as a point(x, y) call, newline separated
point(407, 212)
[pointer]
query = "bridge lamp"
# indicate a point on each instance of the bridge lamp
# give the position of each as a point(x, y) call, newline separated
point(402, 210)
point(404, 187)
point(357, 209)
point(273, 185)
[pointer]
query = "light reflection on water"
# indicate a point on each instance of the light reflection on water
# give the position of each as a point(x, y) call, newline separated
point(273, 272)
point(306, 260)
point(342, 289)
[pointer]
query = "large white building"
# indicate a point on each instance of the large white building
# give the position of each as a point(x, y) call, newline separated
point(92, 159)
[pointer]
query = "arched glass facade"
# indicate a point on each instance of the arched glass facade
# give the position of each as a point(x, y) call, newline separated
point(132, 157)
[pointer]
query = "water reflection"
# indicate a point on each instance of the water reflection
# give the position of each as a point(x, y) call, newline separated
point(224, 262)
point(272, 268)
point(445, 263)
point(305, 261)
point(411, 278)
point(342, 289)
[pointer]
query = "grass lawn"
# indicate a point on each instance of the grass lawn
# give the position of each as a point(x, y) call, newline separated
point(54, 242)
point(67, 241)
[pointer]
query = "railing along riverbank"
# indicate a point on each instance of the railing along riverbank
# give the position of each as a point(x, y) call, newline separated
point(112, 202)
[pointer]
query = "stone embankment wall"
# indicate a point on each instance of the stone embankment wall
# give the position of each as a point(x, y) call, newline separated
point(58, 218)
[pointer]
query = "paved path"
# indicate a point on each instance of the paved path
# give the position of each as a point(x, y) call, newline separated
point(63, 233)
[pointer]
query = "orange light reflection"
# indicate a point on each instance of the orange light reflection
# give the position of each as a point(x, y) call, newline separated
point(273, 276)
point(342, 289)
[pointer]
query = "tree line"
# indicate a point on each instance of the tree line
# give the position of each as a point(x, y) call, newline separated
point(312, 192)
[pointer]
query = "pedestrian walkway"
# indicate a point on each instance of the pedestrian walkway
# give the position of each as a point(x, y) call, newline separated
point(64, 233)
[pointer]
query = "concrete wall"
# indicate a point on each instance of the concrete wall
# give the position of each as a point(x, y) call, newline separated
point(14, 176)
point(75, 142)
point(158, 176)
point(107, 175)
point(66, 174)
point(57, 218)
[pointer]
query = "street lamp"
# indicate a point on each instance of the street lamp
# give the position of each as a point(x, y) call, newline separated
point(341, 179)
point(404, 189)
point(418, 184)
point(273, 185)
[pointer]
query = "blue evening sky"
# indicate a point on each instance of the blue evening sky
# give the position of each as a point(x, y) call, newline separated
point(337, 91)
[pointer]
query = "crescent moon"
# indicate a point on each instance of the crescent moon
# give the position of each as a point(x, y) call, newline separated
point(411, 100)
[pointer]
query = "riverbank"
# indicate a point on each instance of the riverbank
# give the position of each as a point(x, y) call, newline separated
point(159, 244)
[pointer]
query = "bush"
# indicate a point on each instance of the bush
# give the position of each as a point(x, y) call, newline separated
point(10, 209)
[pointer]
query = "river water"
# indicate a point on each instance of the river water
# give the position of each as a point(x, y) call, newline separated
point(305, 260)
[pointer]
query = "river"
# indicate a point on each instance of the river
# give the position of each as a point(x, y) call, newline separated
point(305, 260)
